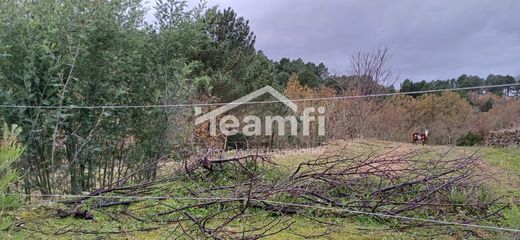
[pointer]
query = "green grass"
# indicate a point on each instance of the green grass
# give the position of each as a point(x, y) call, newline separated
point(504, 158)
point(506, 170)
point(503, 163)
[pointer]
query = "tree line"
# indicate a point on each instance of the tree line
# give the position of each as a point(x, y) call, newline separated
point(464, 81)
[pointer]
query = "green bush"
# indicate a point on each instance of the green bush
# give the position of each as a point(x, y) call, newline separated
point(10, 151)
point(512, 217)
point(470, 139)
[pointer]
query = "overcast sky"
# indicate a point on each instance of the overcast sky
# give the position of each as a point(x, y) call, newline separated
point(428, 39)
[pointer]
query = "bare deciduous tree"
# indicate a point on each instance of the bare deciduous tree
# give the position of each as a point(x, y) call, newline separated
point(370, 74)
point(371, 70)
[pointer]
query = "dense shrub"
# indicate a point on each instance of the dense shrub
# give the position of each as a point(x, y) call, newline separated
point(470, 139)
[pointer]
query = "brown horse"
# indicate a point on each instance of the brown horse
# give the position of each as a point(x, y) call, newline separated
point(423, 137)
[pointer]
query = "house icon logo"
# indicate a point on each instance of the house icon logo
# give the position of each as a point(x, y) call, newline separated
point(252, 125)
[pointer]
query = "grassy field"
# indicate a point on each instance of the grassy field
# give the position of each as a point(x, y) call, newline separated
point(502, 165)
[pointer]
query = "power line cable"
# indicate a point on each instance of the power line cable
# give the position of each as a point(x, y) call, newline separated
point(254, 102)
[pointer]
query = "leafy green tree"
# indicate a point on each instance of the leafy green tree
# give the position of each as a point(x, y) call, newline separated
point(94, 53)
point(229, 54)
point(465, 81)
point(261, 73)
point(228, 30)
point(41, 42)
point(487, 106)
point(469, 81)
point(499, 80)
point(309, 74)
point(409, 86)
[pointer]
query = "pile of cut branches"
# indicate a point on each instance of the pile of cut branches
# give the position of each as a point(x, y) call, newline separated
point(211, 196)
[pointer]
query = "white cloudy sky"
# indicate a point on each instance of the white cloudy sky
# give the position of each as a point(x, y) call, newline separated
point(428, 39)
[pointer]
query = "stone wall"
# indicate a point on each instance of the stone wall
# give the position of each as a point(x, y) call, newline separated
point(504, 138)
